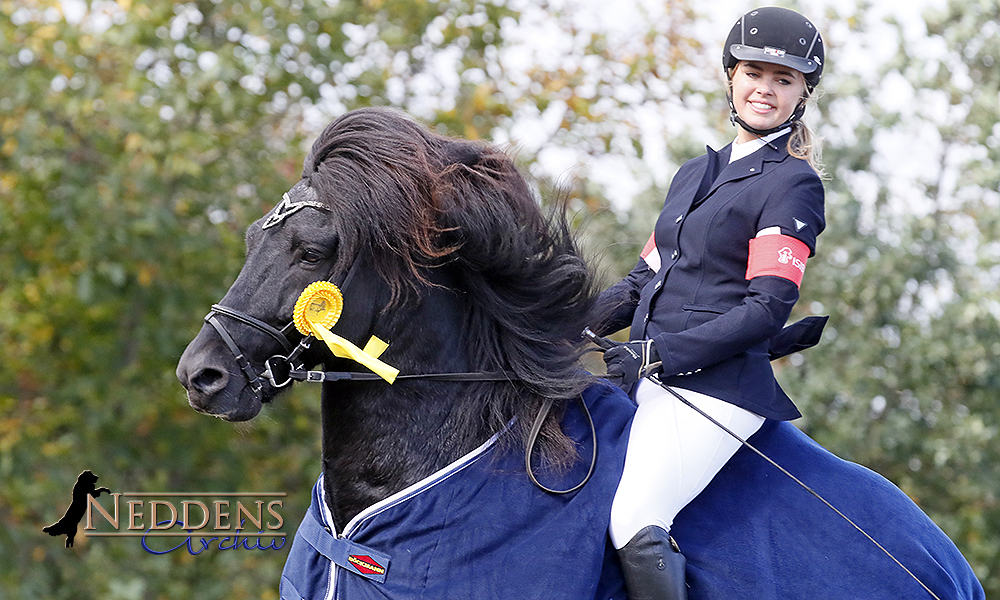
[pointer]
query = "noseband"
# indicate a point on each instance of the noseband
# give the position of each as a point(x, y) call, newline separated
point(280, 369)
point(279, 361)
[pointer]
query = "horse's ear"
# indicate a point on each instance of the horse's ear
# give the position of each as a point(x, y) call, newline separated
point(462, 152)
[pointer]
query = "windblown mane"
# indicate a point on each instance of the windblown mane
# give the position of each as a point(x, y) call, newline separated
point(417, 201)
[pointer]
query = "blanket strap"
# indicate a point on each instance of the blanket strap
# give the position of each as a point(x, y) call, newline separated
point(343, 552)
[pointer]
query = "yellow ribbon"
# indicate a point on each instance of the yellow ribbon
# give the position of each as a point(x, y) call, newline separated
point(318, 309)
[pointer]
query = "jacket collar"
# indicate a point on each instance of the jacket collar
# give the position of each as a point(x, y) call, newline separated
point(752, 165)
point(746, 149)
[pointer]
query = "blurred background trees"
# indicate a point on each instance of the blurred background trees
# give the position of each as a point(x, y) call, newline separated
point(139, 139)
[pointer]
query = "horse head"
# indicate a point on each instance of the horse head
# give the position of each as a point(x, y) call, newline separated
point(440, 249)
point(286, 250)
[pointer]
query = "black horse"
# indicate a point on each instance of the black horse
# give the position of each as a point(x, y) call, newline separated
point(441, 250)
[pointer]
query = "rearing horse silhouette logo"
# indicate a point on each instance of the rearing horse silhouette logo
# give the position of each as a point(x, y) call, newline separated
point(78, 507)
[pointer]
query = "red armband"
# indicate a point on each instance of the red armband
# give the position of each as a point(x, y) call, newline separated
point(779, 255)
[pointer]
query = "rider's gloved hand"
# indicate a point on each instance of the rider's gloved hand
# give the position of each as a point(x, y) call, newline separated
point(631, 361)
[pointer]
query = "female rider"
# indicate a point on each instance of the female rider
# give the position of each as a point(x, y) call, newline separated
point(710, 295)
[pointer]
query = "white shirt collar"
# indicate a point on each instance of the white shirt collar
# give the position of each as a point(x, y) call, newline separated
point(747, 148)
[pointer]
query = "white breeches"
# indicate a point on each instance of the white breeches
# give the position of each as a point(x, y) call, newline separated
point(673, 453)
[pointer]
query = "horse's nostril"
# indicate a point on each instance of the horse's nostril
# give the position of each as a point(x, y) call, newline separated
point(209, 380)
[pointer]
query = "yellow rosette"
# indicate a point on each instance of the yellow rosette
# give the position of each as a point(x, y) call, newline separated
point(318, 309)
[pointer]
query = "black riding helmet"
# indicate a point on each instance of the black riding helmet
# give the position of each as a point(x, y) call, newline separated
point(780, 36)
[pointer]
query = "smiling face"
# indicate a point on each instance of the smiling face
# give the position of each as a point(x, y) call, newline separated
point(765, 95)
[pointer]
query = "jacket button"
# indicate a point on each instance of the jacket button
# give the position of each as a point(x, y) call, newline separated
point(674, 254)
point(679, 218)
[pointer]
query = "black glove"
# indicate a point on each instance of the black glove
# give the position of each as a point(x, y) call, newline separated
point(631, 361)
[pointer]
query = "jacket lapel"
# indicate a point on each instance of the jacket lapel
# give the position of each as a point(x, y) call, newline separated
point(715, 164)
point(752, 165)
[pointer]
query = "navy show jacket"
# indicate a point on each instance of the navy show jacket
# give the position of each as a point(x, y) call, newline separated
point(710, 325)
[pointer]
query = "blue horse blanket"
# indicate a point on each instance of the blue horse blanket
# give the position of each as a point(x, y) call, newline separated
point(479, 529)
point(755, 533)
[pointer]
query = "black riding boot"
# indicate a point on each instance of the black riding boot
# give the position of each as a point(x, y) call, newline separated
point(654, 567)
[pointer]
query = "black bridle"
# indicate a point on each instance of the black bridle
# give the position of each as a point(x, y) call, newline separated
point(282, 369)
point(281, 335)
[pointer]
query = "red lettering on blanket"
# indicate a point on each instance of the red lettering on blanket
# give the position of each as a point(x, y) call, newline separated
point(366, 564)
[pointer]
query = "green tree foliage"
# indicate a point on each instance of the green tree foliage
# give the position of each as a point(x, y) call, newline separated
point(138, 139)
point(906, 379)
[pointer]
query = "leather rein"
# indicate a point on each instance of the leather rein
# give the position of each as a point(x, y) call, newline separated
point(282, 369)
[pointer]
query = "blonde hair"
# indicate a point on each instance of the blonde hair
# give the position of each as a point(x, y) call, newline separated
point(806, 145)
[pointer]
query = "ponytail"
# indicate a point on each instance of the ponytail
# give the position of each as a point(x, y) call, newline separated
point(805, 145)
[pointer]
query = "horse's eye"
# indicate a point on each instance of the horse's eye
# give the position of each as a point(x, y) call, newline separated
point(312, 257)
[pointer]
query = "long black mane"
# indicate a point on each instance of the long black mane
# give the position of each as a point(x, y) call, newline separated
point(421, 203)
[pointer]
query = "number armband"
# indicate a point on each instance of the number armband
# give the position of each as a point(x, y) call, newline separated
point(779, 255)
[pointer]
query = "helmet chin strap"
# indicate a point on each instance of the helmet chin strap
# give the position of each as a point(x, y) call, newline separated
point(800, 110)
